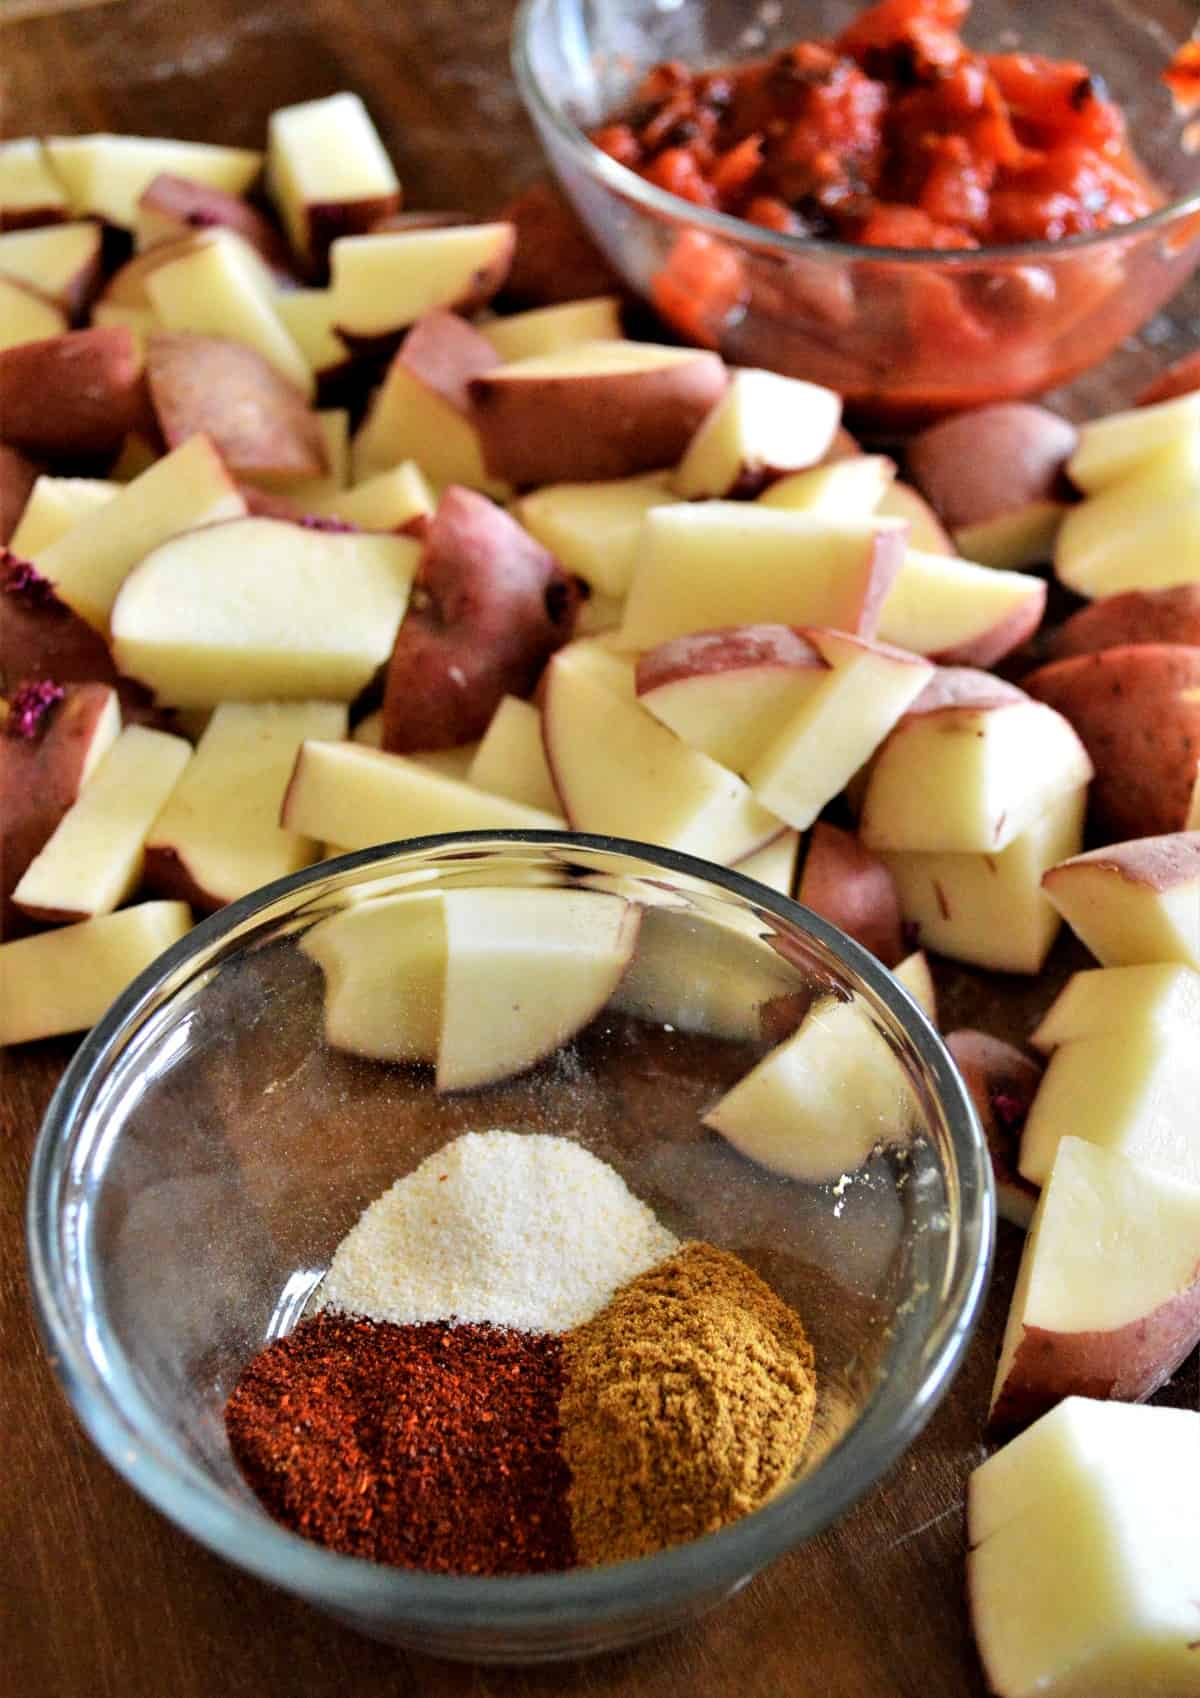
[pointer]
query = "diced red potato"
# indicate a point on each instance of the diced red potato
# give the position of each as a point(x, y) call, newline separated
point(602, 410)
point(1137, 617)
point(77, 395)
point(993, 463)
point(1181, 378)
point(490, 605)
point(1137, 711)
point(127, 285)
point(422, 410)
point(42, 773)
point(173, 207)
point(1003, 1081)
point(555, 259)
point(849, 886)
point(17, 478)
point(259, 423)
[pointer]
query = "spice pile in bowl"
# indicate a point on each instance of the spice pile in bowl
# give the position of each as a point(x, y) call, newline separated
point(516, 1369)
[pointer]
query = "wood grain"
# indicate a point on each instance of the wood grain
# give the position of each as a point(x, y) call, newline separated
point(99, 1597)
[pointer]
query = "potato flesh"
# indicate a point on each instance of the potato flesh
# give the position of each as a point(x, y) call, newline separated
point(549, 330)
point(317, 495)
point(384, 502)
point(388, 281)
point(673, 979)
point(51, 258)
point(384, 962)
point(1082, 1576)
point(221, 821)
point(263, 610)
point(852, 488)
point(511, 758)
point(835, 730)
point(62, 981)
point(763, 423)
point(774, 864)
point(355, 797)
point(55, 506)
point(701, 567)
point(1142, 533)
point(939, 603)
point(1105, 1000)
point(526, 970)
point(593, 529)
point(1123, 444)
point(970, 779)
point(735, 715)
point(28, 185)
point(106, 175)
point(222, 288)
point(26, 317)
point(409, 421)
point(820, 1102)
point(1125, 923)
point(308, 317)
point(618, 770)
point(990, 910)
point(185, 489)
point(93, 860)
point(1134, 1092)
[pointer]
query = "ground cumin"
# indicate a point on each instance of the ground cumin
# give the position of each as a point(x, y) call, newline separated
point(686, 1402)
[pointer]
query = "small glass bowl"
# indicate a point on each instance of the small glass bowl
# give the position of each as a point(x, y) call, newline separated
point(207, 1149)
point(902, 333)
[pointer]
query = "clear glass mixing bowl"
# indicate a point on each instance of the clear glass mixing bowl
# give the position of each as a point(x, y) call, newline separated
point(207, 1149)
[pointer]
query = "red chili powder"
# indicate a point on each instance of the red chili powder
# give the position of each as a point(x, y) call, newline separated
point(426, 1446)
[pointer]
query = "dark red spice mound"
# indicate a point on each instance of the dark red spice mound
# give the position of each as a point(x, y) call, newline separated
point(430, 1446)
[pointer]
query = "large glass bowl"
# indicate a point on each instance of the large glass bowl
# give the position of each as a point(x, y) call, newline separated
point(903, 334)
point(207, 1149)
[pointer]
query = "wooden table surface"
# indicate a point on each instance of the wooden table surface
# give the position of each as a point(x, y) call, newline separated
point(99, 1597)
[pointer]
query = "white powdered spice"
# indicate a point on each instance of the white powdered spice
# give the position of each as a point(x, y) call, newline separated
point(521, 1229)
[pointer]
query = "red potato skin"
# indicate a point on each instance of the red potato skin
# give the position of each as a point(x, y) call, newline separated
point(259, 423)
point(986, 649)
point(1156, 863)
point(963, 686)
point(39, 780)
point(17, 478)
point(849, 886)
point(196, 206)
point(1128, 1364)
point(490, 606)
point(1137, 617)
point(28, 217)
point(991, 460)
point(572, 429)
point(1182, 378)
point(447, 354)
point(733, 649)
point(1003, 1081)
point(555, 259)
point(72, 396)
point(1130, 710)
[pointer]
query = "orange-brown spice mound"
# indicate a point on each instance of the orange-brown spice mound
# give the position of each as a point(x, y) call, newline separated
point(686, 1403)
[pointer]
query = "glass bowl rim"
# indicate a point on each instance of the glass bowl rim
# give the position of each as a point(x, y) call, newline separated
point(619, 178)
point(143, 1449)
